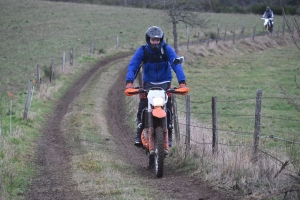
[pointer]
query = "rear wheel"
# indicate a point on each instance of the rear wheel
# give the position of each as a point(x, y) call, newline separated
point(159, 152)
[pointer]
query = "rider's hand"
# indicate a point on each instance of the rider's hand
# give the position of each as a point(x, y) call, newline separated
point(129, 91)
point(183, 89)
point(182, 84)
point(129, 85)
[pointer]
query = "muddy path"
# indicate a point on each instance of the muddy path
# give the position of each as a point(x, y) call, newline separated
point(53, 156)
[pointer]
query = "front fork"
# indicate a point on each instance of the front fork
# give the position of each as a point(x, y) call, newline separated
point(150, 125)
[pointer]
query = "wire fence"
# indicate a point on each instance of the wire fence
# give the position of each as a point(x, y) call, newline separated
point(234, 126)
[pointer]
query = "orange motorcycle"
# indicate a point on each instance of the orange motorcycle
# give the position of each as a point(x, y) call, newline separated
point(154, 120)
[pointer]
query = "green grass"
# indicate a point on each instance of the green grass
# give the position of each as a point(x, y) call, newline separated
point(37, 31)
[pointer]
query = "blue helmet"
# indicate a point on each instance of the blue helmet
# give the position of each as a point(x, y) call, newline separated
point(154, 32)
point(268, 9)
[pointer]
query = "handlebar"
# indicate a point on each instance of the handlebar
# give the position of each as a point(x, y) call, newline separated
point(267, 18)
point(139, 90)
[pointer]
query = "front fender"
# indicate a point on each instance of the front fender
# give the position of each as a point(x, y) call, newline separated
point(159, 112)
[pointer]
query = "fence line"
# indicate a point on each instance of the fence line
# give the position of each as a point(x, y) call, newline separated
point(256, 134)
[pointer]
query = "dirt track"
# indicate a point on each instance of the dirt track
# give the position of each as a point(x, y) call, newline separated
point(53, 155)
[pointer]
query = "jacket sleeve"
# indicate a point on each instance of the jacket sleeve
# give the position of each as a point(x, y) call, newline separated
point(176, 68)
point(134, 64)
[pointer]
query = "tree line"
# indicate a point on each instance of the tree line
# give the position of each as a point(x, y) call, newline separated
point(219, 6)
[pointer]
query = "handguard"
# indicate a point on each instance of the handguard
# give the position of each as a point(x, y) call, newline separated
point(181, 91)
point(131, 91)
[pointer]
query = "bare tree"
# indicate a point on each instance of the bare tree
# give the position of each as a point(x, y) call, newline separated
point(184, 11)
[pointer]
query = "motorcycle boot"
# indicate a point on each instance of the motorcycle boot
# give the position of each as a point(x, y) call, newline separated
point(138, 141)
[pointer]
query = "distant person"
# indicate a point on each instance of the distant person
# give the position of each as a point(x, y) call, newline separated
point(270, 15)
point(157, 58)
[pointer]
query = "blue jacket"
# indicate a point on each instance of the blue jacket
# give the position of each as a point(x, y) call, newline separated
point(155, 71)
point(268, 14)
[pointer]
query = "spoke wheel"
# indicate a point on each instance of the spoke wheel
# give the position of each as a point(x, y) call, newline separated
point(159, 152)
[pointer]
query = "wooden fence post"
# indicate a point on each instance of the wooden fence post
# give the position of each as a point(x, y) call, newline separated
point(63, 61)
point(27, 105)
point(225, 34)
point(187, 31)
point(198, 40)
point(243, 29)
point(176, 124)
point(10, 113)
point(214, 125)
point(38, 76)
point(117, 42)
point(256, 134)
point(218, 34)
point(233, 34)
point(92, 47)
point(254, 32)
point(51, 70)
point(188, 131)
point(207, 44)
point(71, 56)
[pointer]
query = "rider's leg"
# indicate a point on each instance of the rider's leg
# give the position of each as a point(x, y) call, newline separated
point(143, 103)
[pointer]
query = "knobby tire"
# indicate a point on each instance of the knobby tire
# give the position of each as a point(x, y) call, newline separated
point(159, 152)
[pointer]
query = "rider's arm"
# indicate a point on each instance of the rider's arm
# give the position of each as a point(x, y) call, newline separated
point(176, 68)
point(134, 64)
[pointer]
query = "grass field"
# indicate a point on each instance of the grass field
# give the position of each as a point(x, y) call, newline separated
point(37, 31)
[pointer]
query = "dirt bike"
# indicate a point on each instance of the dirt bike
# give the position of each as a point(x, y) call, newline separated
point(154, 120)
point(267, 24)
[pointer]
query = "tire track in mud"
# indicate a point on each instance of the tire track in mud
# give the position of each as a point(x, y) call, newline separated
point(53, 179)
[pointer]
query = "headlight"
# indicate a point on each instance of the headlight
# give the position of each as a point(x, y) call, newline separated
point(158, 101)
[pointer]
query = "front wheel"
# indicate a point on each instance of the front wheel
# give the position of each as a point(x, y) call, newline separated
point(271, 29)
point(159, 151)
point(150, 160)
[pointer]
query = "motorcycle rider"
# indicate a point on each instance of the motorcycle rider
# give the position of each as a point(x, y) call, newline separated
point(156, 72)
point(270, 15)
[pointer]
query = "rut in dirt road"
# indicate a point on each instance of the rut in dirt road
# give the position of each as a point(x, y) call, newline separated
point(53, 179)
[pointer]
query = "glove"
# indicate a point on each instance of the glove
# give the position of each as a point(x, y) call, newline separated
point(129, 89)
point(182, 85)
point(129, 85)
point(182, 90)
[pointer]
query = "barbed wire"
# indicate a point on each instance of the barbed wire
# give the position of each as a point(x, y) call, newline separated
point(237, 115)
point(201, 102)
point(223, 130)
point(270, 155)
point(277, 138)
point(287, 119)
point(236, 100)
